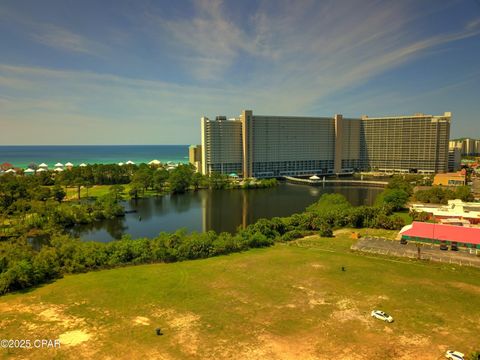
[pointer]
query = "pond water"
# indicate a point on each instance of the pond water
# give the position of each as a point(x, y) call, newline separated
point(219, 210)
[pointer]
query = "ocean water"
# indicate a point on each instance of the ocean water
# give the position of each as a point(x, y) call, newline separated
point(22, 156)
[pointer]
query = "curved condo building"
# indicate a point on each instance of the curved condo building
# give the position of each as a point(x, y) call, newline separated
point(272, 146)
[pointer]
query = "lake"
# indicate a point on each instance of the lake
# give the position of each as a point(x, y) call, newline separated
point(219, 210)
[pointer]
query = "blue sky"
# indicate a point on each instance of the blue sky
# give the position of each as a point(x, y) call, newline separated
point(144, 72)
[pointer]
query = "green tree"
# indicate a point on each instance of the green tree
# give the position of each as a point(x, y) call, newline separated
point(197, 180)
point(160, 177)
point(79, 182)
point(464, 193)
point(330, 203)
point(180, 178)
point(117, 191)
point(135, 189)
point(42, 193)
point(144, 177)
point(395, 198)
point(88, 185)
point(218, 181)
point(58, 193)
point(400, 183)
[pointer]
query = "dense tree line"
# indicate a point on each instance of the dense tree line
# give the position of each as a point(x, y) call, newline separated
point(441, 195)
point(27, 205)
point(21, 266)
point(39, 198)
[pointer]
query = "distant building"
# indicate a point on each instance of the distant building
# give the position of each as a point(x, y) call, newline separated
point(195, 156)
point(456, 209)
point(454, 159)
point(450, 179)
point(467, 146)
point(271, 146)
point(461, 236)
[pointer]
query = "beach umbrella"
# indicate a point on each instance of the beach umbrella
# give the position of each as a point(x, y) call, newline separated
point(154, 162)
point(130, 162)
point(29, 171)
point(69, 164)
point(59, 165)
point(41, 170)
point(121, 164)
point(43, 166)
point(314, 177)
point(58, 169)
point(10, 171)
point(83, 165)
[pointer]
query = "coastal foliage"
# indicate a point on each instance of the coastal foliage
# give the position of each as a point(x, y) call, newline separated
point(404, 183)
point(23, 266)
point(441, 195)
point(37, 203)
point(396, 199)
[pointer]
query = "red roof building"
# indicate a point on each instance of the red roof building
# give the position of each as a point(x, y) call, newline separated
point(440, 233)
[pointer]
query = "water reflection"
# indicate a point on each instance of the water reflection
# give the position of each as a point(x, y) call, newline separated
point(220, 210)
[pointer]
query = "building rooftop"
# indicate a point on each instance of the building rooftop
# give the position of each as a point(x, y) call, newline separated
point(461, 234)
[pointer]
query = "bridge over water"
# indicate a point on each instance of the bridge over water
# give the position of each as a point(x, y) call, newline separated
point(336, 181)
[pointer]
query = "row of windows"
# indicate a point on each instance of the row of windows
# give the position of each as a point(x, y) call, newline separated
point(225, 168)
point(280, 168)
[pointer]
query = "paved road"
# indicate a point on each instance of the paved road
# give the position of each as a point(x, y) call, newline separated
point(410, 250)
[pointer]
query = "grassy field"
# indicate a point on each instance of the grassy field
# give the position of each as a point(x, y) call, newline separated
point(291, 301)
point(94, 191)
point(99, 190)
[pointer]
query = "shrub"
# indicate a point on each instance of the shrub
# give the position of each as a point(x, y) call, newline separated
point(292, 235)
point(325, 231)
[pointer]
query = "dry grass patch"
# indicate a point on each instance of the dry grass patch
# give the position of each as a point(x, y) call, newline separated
point(141, 320)
point(475, 289)
point(74, 337)
point(183, 329)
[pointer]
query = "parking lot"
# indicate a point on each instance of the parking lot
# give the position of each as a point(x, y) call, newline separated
point(412, 251)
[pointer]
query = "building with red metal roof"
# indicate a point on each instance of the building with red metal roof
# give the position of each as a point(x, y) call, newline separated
point(440, 233)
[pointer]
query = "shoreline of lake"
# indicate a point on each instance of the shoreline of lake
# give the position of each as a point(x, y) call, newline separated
point(218, 210)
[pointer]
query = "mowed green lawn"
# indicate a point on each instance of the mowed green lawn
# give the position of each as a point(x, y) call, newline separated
point(94, 191)
point(100, 190)
point(291, 301)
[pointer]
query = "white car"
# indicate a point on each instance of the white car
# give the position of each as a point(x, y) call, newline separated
point(380, 315)
point(454, 355)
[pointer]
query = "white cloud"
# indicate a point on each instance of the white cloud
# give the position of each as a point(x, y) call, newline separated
point(64, 39)
point(302, 49)
point(284, 58)
point(53, 35)
point(85, 107)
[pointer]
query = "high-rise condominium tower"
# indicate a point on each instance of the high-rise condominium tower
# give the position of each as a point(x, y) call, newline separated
point(270, 146)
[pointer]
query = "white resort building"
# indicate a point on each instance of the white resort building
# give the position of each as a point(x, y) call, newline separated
point(273, 146)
